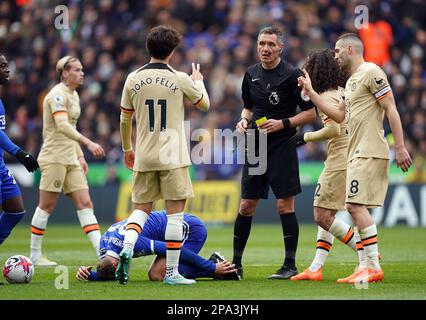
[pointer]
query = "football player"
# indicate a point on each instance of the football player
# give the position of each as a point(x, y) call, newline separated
point(151, 242)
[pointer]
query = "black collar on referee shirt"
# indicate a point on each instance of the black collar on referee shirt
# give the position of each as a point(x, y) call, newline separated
point(281, 69)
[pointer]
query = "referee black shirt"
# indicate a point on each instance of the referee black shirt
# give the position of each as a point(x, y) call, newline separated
point(274, 94)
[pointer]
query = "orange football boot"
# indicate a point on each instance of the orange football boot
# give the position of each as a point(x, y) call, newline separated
point(368, 275)
point(356, 273)
point(309, 275)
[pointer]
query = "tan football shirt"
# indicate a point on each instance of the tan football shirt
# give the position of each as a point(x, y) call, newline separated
point(155, 93)
point(364, 116)
point(337, 148)
point(58, 148)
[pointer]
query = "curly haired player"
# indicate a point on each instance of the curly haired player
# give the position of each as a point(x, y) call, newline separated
point(328, 80)
point(368, 96)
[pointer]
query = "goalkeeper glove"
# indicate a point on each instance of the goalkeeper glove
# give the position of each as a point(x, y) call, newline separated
point(27, 160)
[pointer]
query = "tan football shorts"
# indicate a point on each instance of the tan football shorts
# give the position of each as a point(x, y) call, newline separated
point(330, 191)
point(367, 181)
point(56, 177)
point(149, 186)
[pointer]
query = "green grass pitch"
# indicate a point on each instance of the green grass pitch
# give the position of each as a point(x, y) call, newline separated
point(402, 249)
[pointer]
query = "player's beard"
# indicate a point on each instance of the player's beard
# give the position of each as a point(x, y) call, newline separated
point(344, 67)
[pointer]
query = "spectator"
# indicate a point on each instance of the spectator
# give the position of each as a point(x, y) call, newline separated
point(108, 36)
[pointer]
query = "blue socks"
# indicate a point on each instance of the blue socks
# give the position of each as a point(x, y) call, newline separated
point(8, 220)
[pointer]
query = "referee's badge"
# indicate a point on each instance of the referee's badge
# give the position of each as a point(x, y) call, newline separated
point(304, 96)
point(274, 98)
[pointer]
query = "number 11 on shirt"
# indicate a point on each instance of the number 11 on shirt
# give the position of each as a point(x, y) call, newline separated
point(163, 105)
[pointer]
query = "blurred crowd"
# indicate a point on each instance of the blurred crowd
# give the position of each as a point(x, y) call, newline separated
point(108, 37)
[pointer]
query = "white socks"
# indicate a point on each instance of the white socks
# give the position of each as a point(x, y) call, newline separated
point(135, 224)
point(343, 232)
point(362, 257)
point(369, 242)
point(38, 227)
point(324, 243)
point(87, 220)
point(90, 226)
point(173, 239)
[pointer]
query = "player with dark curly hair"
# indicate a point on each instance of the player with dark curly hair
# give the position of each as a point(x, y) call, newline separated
point(368, 97)
point(326, 73)
point(328, 80)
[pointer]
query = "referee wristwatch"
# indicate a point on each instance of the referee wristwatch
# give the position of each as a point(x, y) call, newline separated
point(286, 123)
point(244, 118)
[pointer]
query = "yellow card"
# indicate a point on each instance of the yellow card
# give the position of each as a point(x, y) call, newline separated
point(261, 120)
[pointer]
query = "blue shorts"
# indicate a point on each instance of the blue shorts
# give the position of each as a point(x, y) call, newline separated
point(8, 186)
point(195, 241)
point(197, 235)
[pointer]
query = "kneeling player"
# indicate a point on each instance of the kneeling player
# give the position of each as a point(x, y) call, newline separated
point(150, 242)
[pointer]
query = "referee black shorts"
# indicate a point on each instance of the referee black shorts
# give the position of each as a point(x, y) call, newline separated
point(282, 172)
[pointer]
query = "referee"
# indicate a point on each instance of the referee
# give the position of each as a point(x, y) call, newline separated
point(270, 90)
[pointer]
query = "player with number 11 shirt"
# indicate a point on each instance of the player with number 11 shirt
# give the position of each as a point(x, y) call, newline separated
point(155, 93)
